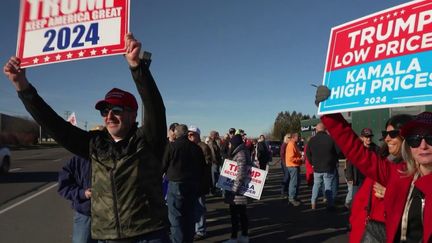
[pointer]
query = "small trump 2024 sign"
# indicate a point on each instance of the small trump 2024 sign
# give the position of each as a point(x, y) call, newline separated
point(381, 60)
point(65, 30)
point(253, 185)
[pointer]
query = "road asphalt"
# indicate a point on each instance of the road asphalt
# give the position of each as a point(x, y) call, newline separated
point(273, 219)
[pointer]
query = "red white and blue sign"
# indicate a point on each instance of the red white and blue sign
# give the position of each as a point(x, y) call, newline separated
point(381, 60)
point(253, 184)
point(65, 30)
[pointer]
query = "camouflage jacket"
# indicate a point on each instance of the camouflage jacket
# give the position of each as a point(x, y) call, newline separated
point(127, 196)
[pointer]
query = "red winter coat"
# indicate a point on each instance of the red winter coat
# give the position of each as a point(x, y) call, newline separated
point(386, 173)
point(309, 168)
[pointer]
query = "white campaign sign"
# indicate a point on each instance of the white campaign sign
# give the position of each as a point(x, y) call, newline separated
point(252, 187)
point(65, 30)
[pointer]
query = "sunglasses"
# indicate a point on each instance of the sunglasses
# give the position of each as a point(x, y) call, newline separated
point(116, 110)
point(392, 133)
point(415, 140)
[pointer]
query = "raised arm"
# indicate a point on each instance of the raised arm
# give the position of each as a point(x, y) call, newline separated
point(368, 162)
point(69, 136)
point(154, 127)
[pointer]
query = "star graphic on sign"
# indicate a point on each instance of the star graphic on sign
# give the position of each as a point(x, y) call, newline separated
point(46, 58)
point(104, 51)
point(395, 13)
point(402, 12)
point(81, 53)
point(375, 20)
point(58, 57)
point(388, 16)
point(69, 55)
point(93, 52)
point(382, 17)
point(36, 60)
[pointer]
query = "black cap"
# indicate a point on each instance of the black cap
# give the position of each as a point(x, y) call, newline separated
point(173, 126)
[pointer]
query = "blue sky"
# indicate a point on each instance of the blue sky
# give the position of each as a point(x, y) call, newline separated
point(217, 63)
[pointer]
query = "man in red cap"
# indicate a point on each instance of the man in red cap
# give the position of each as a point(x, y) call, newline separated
point(127, 203)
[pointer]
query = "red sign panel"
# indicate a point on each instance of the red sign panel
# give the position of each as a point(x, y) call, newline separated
point(398, 31)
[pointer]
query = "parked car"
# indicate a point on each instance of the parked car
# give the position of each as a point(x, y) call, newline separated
point(5, 159)
point(274, 147)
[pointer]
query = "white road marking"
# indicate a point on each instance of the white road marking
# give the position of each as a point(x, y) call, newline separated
point(28, 198)
point(15, 169)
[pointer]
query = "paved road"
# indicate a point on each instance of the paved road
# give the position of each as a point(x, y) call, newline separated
point(32, 211)
point(272, 219)
point(30, 208)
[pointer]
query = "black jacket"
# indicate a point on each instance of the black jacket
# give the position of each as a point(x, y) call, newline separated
point(184, 161)
point(322, 153)
point(263, 153)
point(353, 174)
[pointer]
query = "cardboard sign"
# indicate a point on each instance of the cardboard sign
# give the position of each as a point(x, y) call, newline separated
point(252, 186)
point(381, 60)
point(65, 30)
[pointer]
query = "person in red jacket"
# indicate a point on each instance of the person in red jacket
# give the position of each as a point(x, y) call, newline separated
point(408, 196)
point(368, 203)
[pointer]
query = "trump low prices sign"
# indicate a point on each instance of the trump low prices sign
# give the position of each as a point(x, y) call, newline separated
point(64, 30)
point(252, 186)
point(381, 60)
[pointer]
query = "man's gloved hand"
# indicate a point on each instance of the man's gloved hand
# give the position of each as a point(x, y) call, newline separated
point(322, 94)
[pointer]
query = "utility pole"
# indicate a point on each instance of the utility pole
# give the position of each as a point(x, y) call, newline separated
point(85, 125)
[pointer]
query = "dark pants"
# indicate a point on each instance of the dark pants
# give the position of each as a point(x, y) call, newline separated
point(238, 212)
point(181, 200)
point(262, 164)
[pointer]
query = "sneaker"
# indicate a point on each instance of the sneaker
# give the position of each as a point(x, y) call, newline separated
point(294, 202)
point(243, 239)
point(230, 241)
point(313, 206)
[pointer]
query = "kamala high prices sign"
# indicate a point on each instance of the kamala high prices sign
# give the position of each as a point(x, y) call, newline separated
point(64, 30)
point(381, 60)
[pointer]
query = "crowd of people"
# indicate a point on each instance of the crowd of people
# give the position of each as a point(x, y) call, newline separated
point(115, 181)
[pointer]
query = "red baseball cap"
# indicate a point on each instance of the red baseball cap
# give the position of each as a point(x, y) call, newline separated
point(118, 97)
point(421, 123)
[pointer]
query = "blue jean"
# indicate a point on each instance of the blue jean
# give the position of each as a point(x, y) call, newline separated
point(293, 178)
point(200, 219)
point(328, 180)
point(181, 200)
point(352, 190)
point(160, 236)
point(81, 229)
